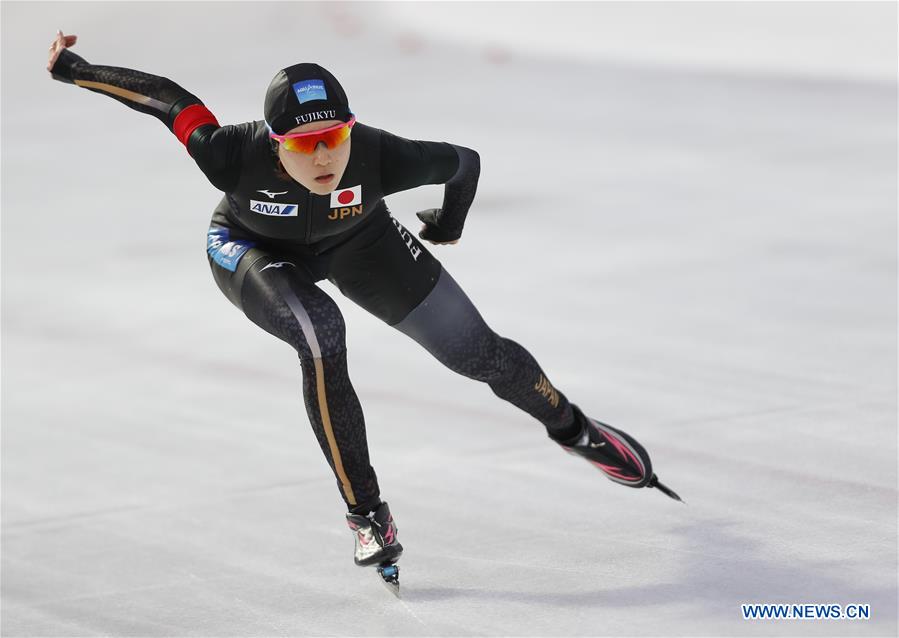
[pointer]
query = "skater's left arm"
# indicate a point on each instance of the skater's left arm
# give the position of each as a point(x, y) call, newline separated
point(406, 164)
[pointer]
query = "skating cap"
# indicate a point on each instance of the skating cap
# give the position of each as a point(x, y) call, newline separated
point(304, 93)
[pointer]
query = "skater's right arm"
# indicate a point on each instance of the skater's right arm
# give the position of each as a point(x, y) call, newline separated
point(216, 149)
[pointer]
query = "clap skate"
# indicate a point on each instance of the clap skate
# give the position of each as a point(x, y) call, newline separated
point(618, 455)
point(377, 544)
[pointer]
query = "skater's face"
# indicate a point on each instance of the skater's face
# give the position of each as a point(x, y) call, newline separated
point(320, 171)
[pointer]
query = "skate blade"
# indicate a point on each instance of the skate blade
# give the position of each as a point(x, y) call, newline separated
point(667, 491)
point(390, 577)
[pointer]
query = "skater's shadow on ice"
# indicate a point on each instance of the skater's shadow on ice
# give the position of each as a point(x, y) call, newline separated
point(719, 570)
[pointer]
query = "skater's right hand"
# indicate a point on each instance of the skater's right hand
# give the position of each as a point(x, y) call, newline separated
point(58, 45)
point(431, 231)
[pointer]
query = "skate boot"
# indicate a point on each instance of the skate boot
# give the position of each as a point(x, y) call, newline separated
point(376, 544)
point(615, 453)
point(376, 541)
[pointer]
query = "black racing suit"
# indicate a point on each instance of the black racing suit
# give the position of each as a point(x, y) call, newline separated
point(270, 241)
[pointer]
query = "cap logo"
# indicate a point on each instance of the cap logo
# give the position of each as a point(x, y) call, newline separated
point(308, 90)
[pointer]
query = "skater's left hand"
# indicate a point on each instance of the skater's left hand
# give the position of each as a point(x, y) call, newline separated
point(431, 232)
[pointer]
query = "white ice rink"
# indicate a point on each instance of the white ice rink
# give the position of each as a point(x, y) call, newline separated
point(703, 254)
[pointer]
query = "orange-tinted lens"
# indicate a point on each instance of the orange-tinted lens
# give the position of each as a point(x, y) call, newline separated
point(307, 143)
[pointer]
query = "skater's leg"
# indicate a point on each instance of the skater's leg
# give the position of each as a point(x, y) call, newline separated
point(449, 326)
point(278, 293)
point(387, 271)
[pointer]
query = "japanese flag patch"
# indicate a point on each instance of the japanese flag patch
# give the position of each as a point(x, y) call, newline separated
point(346, 197)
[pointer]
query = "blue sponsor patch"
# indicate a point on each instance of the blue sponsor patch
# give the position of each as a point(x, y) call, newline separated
point(225, 252)
point(308, 90)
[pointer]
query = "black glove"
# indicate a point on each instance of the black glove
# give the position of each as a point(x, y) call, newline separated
point(432, 230)
point(64, 67)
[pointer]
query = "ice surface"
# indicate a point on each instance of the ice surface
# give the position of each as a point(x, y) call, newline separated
point(704, 257)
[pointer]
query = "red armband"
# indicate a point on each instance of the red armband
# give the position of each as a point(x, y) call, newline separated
point(191, 118)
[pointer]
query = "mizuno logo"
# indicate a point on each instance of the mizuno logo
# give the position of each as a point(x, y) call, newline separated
point(271, 194)
point(278, 264)
point(592, 444)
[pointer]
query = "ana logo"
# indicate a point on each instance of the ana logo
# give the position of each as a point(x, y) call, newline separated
point(346, 202)
point(308, 90)
point(271, 194)
point(273, 209)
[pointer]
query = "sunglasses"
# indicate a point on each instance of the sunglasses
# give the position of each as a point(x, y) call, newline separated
point(306, 143)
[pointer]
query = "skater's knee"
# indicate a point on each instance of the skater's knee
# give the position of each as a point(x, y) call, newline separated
point(482, 357)
point(505, 356)
point(326, 332)
point(314, 326)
